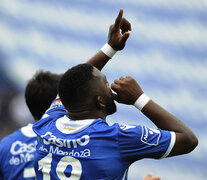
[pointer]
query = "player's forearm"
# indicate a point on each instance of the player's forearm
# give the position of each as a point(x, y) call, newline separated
point(162, 118)
point(99, 60)
point(166, 121)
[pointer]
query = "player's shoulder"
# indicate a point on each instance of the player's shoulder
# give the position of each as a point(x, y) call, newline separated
point(11, 136)
point(42, 124)
point(7, 141)
point(27, 131)
point(21, 134)
point(55, 111)
point(102, 125)
point(46, 123)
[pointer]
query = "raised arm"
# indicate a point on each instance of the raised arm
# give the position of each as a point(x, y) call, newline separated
point(117, 37)
point(128, 91)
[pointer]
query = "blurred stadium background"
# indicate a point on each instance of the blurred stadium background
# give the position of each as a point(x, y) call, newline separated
point(166, 53)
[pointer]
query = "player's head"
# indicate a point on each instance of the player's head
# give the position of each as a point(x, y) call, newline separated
point(85, 88)
point(40, 91)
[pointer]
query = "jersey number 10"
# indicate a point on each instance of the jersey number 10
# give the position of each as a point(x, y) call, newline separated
point(45, 166)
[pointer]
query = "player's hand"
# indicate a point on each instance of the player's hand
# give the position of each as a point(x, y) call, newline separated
point(149, 177)
point(118, 32)
point(127, 90)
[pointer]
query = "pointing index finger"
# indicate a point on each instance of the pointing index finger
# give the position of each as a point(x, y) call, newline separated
point(118, 19)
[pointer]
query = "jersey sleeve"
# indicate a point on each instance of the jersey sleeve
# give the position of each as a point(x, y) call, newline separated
point(138, 142)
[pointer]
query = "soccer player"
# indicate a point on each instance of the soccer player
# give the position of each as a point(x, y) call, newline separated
point(17, 150)
point(81, 145)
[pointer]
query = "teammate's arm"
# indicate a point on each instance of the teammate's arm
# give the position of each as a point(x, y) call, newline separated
point(128, 91)
point(117, 37)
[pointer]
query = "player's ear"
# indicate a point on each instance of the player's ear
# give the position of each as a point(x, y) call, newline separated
point(100, 102)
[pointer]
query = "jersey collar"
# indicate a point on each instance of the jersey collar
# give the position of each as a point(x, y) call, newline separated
point(68, 126)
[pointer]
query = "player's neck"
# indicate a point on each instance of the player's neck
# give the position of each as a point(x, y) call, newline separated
point(87, 114)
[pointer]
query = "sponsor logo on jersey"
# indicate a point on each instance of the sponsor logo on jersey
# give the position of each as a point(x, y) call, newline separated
point(74, 153)
point(19, 147)
point(53, 144)
point(150, 136)
point(49, 138)
point(22, 152)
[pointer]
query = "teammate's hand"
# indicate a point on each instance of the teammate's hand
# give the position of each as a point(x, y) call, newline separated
point(117, 39)
point(127, 90)
point(149, 177)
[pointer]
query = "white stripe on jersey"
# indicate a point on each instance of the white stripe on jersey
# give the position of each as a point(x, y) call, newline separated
point(125, 177)
point(172, 142)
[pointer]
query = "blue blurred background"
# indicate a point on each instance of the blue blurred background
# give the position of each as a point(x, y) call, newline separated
point(166, 53)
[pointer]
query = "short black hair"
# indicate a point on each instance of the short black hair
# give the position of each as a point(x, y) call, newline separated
point(74, 84)
point(40, 91)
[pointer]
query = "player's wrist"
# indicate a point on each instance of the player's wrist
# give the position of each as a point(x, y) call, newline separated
point(108, 50)
point(141, 101)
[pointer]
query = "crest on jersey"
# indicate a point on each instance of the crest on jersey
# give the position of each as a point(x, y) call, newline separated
point(150, 136)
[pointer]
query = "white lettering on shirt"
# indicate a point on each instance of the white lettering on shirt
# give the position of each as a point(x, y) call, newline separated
point(49, 138)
